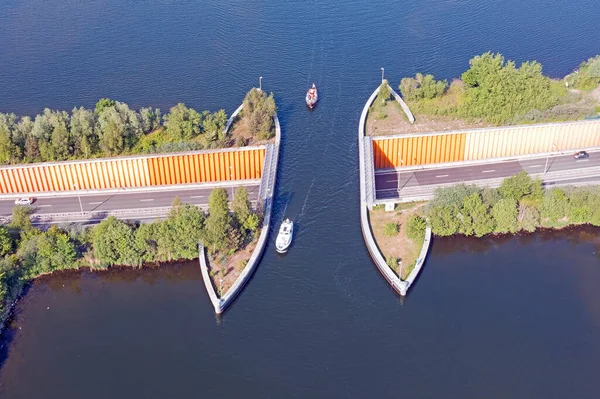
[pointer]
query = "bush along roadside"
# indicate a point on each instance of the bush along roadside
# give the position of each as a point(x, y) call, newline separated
point(27, 252)
point(519, 204)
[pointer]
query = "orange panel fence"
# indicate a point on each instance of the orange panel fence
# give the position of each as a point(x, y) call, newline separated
point(486, 143)
point(139, 171)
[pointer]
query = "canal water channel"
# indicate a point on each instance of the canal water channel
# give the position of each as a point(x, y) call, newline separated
point(490, 318)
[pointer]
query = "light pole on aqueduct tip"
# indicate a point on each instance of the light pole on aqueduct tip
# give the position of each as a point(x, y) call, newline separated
point(401, 163)
point(382, 72)
point(78, 196)
point(260, 83)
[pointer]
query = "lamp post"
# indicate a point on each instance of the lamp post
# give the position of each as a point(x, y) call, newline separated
point(401, 163)
point(220, 287)
point(548, 158)
point(260, 83)
point(78, 196)
point(382, 72)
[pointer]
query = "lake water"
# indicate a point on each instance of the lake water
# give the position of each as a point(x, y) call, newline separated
point(491, 318)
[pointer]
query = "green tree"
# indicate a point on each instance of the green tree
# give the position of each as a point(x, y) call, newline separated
point(384, 92)
point(259, 109)
point(581, 202)
point(529, 218)
point(422, 87)
point(6, 243)
point(214, 124)
point(9, 151)
point(21, 220)
point(102, 104)
point(415, 229)
point(47, 252)
point(477, 219)
point(183, 123)
point(241, 206)
point(505, 215)
point(555, 206)
point(518, 186)
point(83, 123)
point(218, 221)
point(119, 128)
point(179, 235)
point(113, 243)
point(444, 221)
point(499, 91)
point(59, 138)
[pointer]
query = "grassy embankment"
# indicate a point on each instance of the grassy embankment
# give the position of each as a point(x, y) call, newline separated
point(491, 92)
point(390, 230)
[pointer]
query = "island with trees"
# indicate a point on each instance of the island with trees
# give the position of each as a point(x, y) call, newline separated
point(491, 92)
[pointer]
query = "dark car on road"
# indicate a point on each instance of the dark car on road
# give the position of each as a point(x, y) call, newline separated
point(581, 155)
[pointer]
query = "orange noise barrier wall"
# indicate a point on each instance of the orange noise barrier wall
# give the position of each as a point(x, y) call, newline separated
point(138, 171)
point(486, 143)
point(420, 150)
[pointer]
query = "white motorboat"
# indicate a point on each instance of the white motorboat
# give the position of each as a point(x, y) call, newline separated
point(284, 238)
point(312, 96)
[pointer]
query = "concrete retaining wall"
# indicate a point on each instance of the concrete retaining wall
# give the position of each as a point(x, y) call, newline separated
point(412, 276)
point(266, 199)
point(398, 284)
point(404, 106)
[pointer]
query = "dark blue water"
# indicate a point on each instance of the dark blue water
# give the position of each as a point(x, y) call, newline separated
point(489, 318)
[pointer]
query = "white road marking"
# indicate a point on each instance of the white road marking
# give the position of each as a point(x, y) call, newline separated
point(95, 203)
point(487, 171)
point(442, 176)
point(535, 166)
point(197, 196)
point(147, 200)
point(582, 160)
point(391, 181)
point(43, 206)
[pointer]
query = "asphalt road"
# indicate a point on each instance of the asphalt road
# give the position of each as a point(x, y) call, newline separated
point(109, 202)
point(413, 178)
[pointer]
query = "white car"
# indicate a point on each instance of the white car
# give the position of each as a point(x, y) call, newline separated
point(24, 201)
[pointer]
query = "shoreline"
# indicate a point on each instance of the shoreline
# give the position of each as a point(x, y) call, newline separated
point(8, 316)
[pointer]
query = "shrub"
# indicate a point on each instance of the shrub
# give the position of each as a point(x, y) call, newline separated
point(242, 264)
point(259, 109)
point(498, 91)
point(505, 215)
point(241, 142)
point(390, 229)
point(555, 205)
point(415, 230)
point(518, 186)
point(422, 87)
point(392, 262)
point(529, 218)
point(384, 93)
